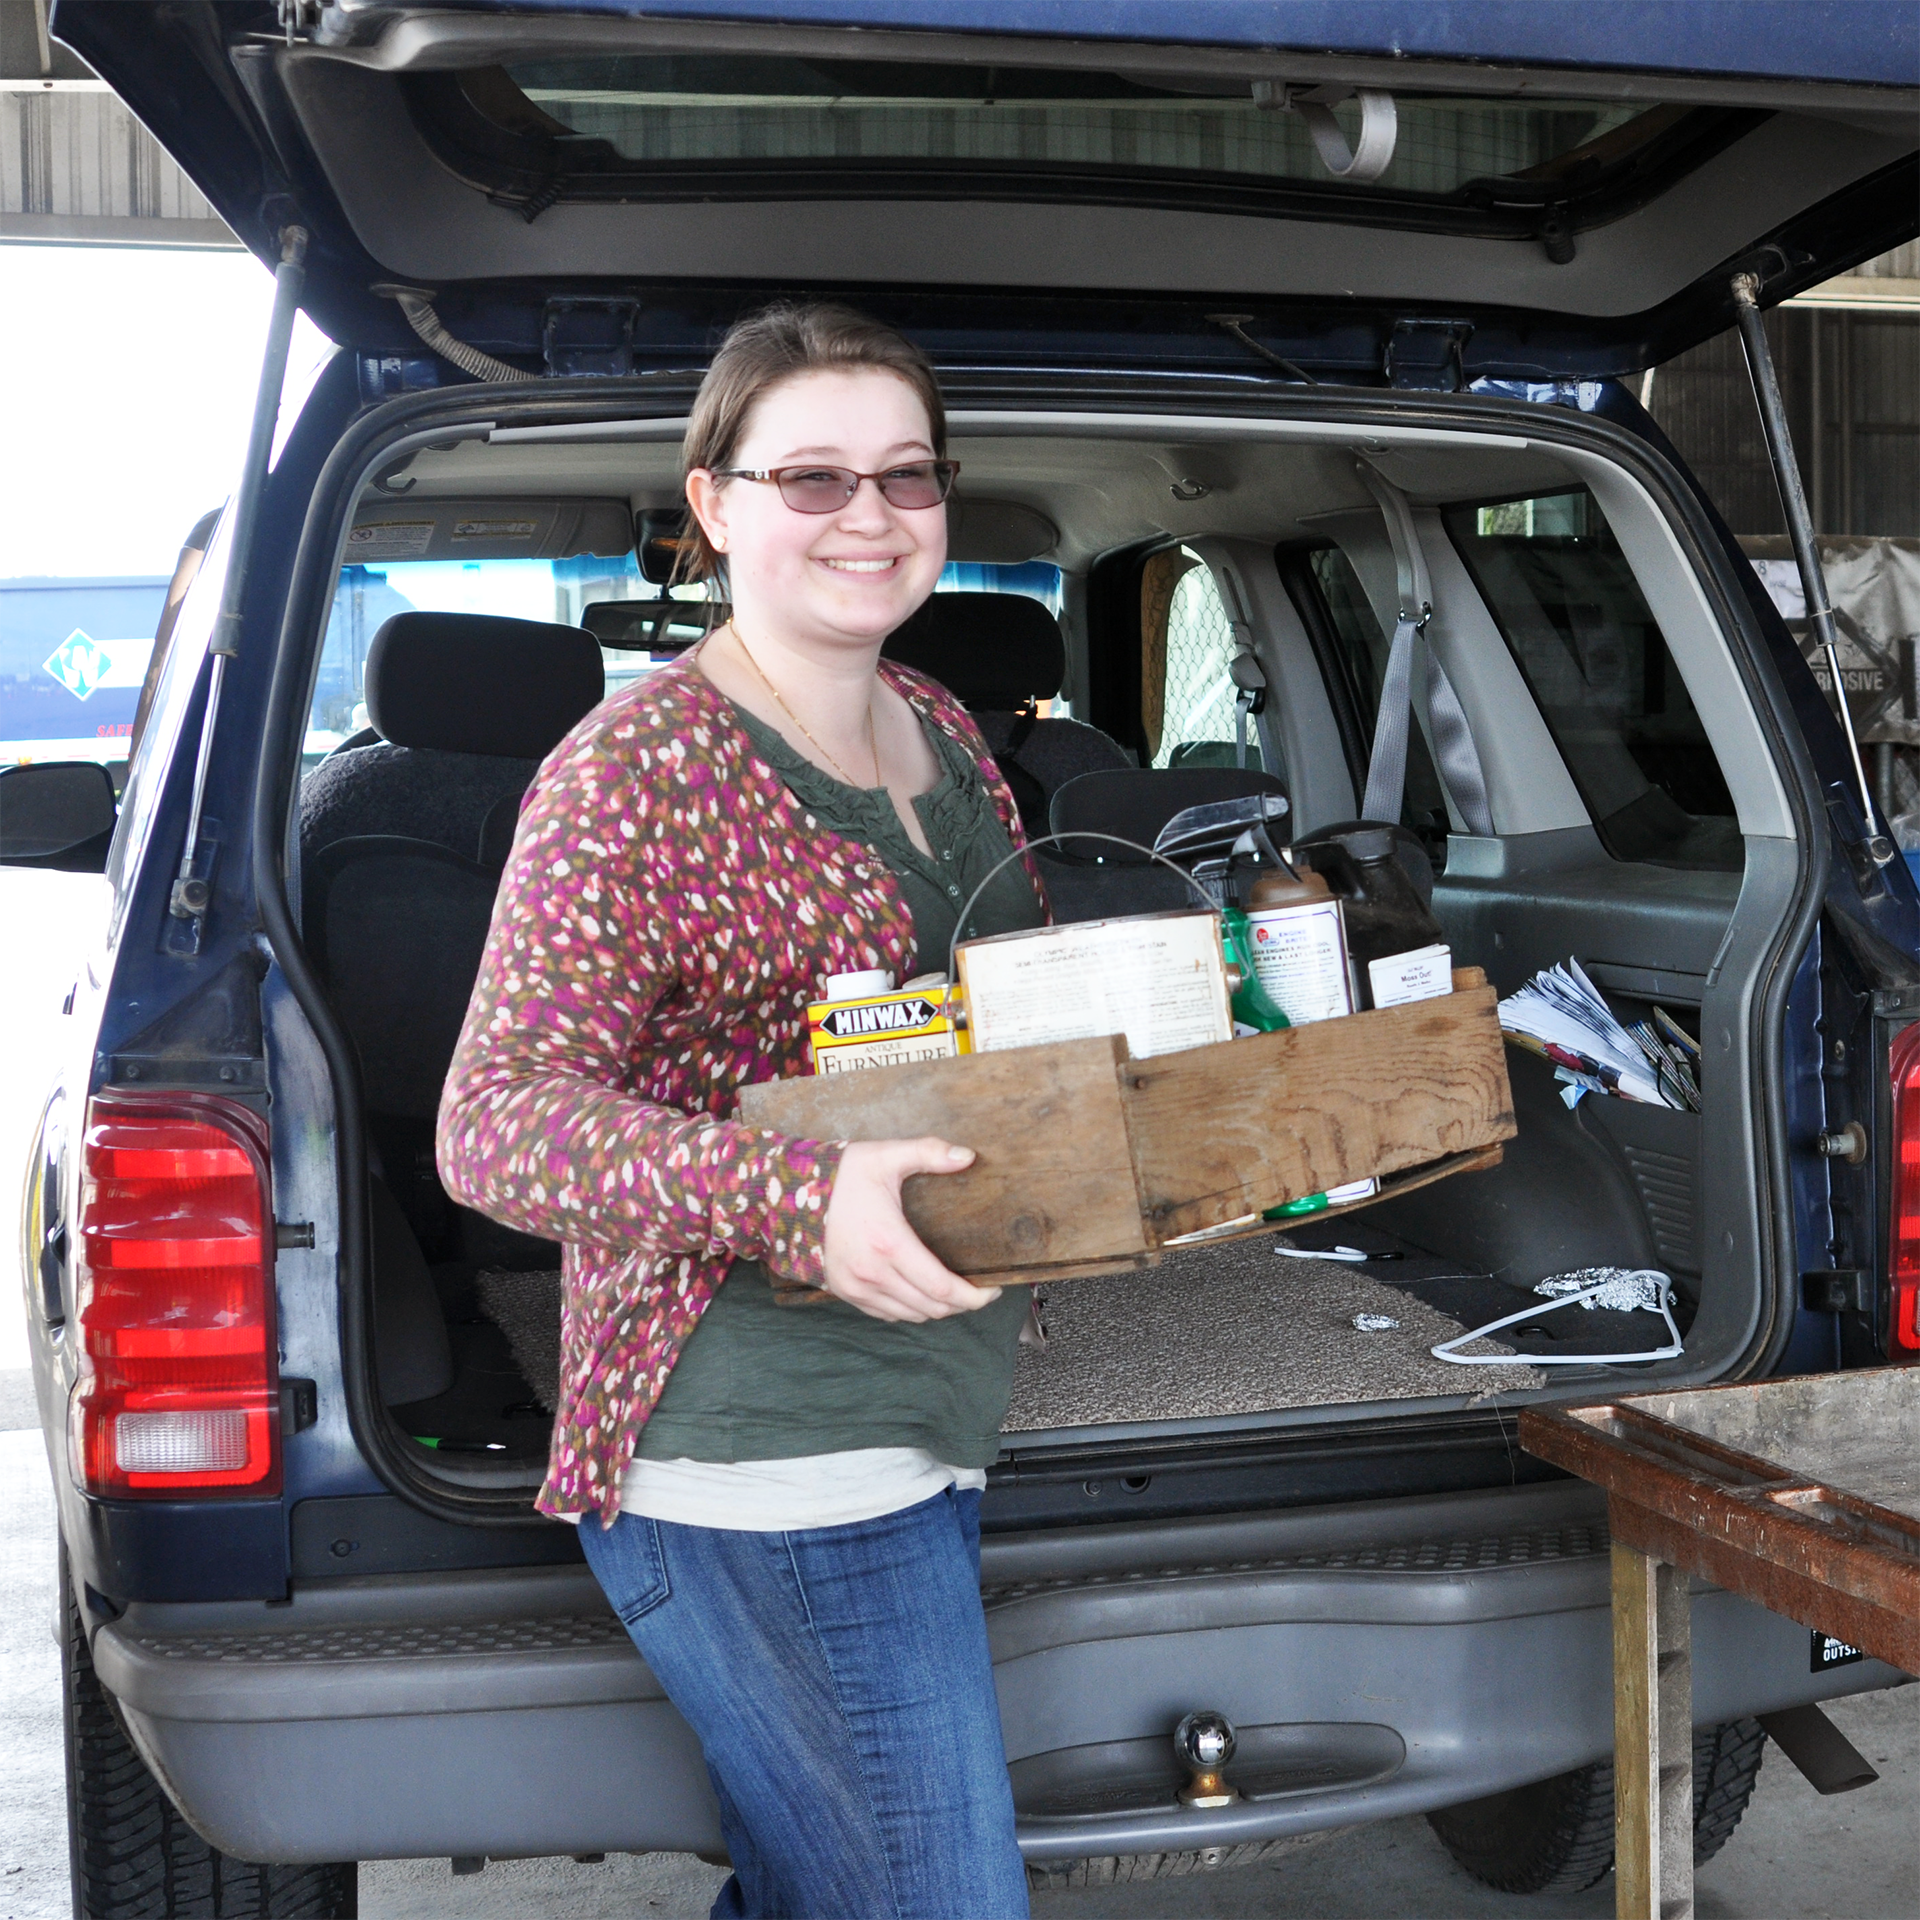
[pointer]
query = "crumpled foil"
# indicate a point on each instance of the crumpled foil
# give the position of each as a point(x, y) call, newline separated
point(1623, 1289)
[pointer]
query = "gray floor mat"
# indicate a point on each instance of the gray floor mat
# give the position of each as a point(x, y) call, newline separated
point(526, 1308)
point(1235, 1329)
point(1212, 1330)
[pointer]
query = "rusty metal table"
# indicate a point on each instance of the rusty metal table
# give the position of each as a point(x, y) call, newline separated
point(1800, 1494)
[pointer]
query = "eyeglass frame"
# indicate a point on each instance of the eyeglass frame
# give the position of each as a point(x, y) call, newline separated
point(951, 468)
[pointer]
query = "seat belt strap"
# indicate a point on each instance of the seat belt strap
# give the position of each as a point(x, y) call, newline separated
point(1387, 767)
point(1457, 758)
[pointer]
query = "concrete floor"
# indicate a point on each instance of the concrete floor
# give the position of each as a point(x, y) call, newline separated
point(1796, 1856)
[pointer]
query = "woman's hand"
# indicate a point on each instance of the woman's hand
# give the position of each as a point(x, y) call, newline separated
point(874, 1260)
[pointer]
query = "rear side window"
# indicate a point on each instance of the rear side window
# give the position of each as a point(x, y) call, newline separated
point(1187, 693)
point(1582, 634)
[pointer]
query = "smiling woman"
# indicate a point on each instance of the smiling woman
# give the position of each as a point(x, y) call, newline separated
point(821, 562)
point(783, 1507)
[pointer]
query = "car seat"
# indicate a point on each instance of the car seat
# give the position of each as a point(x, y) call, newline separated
point(403, 843)
point(999, 655)
point(1091, 879)
point(465, 707)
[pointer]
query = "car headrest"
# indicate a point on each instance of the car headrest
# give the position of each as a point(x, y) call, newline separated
point(480, 683)
point(991, 651)
point(1136, 802)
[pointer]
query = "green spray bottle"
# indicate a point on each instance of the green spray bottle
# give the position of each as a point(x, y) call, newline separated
point(1254, 1009)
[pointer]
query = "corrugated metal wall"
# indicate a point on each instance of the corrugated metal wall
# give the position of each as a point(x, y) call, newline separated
point(76, 166)
point(1851, 379)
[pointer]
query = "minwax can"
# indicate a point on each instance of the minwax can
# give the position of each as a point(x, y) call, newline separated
point(865, 1021)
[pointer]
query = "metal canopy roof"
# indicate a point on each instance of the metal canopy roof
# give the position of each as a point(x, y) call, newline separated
point(76, 168)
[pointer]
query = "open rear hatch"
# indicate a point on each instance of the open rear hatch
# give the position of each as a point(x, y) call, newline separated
point(578, 192)
point(1478, 192)
point(1639, 818)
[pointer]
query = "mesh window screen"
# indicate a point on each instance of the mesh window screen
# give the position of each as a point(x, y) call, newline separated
point(1188, 692)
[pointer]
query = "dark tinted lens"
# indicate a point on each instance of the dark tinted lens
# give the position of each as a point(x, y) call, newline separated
point(816, 489)
point(923, 484)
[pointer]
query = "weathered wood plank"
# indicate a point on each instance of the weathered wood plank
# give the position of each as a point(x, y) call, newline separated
point(1652, 1739)
point(1636, 1737)
point(1070, 1136)
point(1053, 1186)
point(1390, 1189)
point(1219, 1132)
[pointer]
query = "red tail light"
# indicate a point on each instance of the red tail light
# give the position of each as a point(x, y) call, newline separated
point(1903, 1265)
point(178, 1386)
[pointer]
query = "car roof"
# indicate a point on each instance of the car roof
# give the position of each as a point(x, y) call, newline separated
point(1852, 42)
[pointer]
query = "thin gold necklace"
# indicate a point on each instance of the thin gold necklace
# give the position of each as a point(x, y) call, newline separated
point(873, 742)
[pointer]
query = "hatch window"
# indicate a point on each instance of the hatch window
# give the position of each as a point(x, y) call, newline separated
point(1591, 650)
point(599, 128)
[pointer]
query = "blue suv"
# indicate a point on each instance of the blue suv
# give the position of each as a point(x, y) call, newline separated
point(1254, 320)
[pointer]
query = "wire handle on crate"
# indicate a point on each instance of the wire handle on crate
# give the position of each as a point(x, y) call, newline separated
point(993, 872)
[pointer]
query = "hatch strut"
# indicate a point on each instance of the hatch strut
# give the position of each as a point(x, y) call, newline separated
point(192, 890)
point(1793, 502)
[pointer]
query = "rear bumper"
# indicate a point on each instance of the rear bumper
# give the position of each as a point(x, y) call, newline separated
point(1377, 1662)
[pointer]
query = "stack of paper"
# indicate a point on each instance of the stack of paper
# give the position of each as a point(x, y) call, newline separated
point(1560, 1015)
point(1675, 1054)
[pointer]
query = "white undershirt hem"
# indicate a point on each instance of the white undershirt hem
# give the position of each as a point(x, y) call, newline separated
point(788, 1496)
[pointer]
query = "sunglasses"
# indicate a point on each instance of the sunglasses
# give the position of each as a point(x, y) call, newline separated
point(919, 483)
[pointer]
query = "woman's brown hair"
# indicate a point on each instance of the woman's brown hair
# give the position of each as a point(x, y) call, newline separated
point(788, 338)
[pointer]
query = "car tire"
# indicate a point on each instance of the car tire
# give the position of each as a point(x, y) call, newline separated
point(1726, 1768)
point(134, 1857)
point(1556, 1836)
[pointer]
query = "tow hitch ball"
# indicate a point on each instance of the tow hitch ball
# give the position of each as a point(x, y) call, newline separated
point(1205, 1743)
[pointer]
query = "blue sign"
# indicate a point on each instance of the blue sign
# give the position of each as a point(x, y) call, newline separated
point(78, 664)
point(73, 653)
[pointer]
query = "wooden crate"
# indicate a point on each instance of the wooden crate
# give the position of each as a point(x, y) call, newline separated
point(1091, 1162)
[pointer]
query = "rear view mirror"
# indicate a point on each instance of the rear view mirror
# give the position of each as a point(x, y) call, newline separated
point(653, 626)
point(59, 815)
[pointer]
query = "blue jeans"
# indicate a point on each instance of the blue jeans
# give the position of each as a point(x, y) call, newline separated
point(839, 1682)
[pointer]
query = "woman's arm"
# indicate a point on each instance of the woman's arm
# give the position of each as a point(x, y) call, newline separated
point(535, 1129)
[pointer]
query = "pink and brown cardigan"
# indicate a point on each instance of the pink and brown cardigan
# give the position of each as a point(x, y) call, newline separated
point(668, 912)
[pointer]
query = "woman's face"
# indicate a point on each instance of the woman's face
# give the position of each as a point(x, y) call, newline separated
point(851, 575)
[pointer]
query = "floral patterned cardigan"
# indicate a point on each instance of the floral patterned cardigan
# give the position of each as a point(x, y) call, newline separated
point(668, 911)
